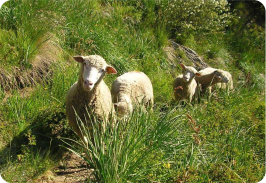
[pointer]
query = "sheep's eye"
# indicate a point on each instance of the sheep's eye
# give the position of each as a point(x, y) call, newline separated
point(84, 63)
point(101, 70)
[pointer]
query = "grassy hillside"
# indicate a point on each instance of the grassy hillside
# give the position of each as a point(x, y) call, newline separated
point(219, 139)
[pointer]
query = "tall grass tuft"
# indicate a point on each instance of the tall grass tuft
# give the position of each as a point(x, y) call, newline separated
point(118, 153)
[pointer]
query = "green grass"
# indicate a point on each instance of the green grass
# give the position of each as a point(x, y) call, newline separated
point(16, 21)
point(221, 140)
point(31, 138)
point(118, 153)
point(230, 138)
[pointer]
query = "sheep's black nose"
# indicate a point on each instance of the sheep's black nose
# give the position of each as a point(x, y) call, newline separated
point(88, 83)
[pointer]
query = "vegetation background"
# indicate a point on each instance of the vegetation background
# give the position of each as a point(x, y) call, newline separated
point(220, 139)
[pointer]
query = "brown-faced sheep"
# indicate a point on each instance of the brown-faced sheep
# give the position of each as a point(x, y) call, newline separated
point(228, 86)
point(211, 76)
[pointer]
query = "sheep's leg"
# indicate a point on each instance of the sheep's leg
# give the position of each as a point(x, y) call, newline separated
point(190, 98)
point(209, 92)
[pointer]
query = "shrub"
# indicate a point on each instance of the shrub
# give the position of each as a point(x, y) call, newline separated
point(199, 17)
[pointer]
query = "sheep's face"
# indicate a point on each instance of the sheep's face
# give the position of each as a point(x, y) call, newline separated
point(91, 75)
point(188, 73)
point(221, 77)
point(123, 108)
point(93, 70)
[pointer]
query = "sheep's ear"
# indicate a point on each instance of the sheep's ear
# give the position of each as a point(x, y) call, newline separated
point(79, 59)
point(198, 74)
point(219, 78)
point(183, 66)
point(110, 70)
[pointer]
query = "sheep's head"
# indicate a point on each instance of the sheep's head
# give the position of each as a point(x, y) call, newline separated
point(93, 70)
point(123, 108)
point(189, 73)
point(220, 76)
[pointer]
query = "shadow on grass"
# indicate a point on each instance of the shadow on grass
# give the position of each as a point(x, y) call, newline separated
point(41, 138)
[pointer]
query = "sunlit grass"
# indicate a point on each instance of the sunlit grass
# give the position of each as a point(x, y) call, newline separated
point(220, 139)
point(118, 153)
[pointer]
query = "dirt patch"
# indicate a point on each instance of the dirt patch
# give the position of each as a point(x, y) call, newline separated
point(72, 169)
point(21, 77)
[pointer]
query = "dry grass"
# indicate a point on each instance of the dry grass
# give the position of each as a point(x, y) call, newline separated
point(21, 77)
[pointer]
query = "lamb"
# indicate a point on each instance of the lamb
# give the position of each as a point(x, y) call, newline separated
point(129, 89)
point(185, 86)
point(89, 96)
point(211, 76)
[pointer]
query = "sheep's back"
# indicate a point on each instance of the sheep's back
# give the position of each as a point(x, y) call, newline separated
point(206, 76)
point(136, 84)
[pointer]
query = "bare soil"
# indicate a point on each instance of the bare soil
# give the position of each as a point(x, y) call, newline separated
point(21, 77)
point(71, 169)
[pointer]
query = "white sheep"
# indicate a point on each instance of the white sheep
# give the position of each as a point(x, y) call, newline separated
point(89, 95)
point(184, 85)
point(228, 86)
point(211, 76)
point(129, 89)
